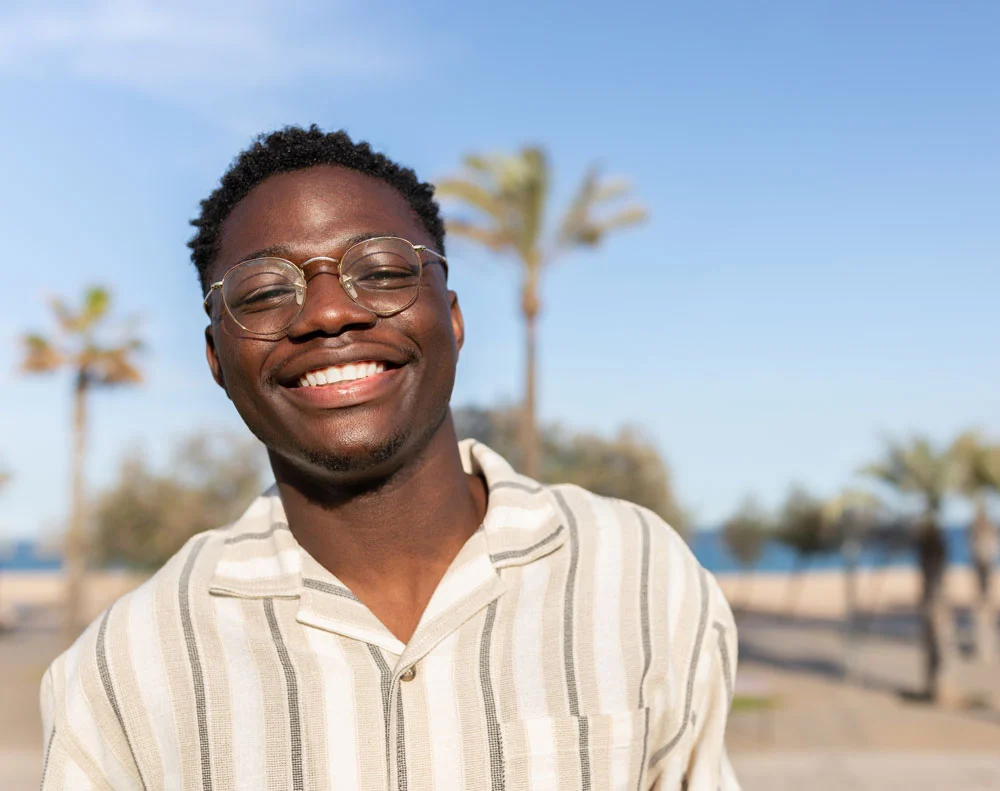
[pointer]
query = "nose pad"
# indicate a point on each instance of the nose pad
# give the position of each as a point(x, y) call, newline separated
point(349, 287)
point(300, 296)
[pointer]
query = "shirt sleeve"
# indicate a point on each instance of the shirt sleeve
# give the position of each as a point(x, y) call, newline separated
point(709, 768)
point(81, 750)
point(700, 761)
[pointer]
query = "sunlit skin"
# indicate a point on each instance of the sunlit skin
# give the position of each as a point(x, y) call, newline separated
point(369, 471)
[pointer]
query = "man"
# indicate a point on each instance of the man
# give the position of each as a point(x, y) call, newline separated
point(400, 611)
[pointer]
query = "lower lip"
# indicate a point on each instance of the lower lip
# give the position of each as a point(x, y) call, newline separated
point(345, 394)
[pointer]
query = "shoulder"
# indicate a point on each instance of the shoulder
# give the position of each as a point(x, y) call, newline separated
point(127, 630)
point(591, 514)
point(678, 588)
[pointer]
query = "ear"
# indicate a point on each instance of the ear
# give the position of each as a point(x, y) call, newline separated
point(457, 320)
point(212, 357)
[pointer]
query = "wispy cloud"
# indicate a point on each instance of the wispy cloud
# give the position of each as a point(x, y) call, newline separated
point(196, 53)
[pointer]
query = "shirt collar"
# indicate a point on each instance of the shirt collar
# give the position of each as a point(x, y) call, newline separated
point(260, 557)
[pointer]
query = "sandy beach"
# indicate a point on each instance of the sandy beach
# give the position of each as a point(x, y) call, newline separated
point(811, 594)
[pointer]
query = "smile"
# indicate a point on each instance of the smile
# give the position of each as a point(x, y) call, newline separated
point(335, 374)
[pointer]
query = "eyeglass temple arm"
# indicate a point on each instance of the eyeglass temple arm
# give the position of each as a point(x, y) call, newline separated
point(420, 248)
point(208, 296)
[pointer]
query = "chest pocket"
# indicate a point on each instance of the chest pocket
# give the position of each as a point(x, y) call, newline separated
point(604, 751)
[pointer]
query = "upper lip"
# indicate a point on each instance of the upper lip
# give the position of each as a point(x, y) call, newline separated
point(291, 371)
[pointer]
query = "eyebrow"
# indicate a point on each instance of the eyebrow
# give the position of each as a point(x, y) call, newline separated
point(287, 251)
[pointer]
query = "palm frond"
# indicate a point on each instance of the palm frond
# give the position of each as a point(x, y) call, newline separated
point(472, 194)
point(493, 238)
point(40, 355)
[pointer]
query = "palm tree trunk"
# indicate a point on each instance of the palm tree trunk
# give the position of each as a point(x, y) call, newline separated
point(983, 543)
point(75, 552)
point(934, 615)
point(529, 432)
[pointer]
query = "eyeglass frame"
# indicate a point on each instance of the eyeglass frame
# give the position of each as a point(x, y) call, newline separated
point(417, 249)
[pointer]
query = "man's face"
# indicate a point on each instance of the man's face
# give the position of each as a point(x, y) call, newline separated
point(353, 427)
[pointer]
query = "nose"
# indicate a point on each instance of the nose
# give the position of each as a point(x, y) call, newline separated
point(328, 309)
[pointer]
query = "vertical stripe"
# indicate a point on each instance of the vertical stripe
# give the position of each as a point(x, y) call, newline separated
point(246, 704)
point(529, 655)
point(489, 703)
point(569, 615)
point(444, 735)
point(48, 752)
point(150, 635)
point(292, 689)
point(104, 749)
point(692, 669)
point(343, 728)
point(385, 685)
point(277, 735)
point(312, 706)
point(197, 676)
point(608, 575)
point(109, 689)
point(400, 742)
point(647, 653)
point(727, 670)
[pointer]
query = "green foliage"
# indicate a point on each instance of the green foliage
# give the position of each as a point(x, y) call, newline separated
point(145, 517)
point(626, 466)
point(746, 532)
point(977, 464)
point(508, 194)
point(77, 345)
point(916, 468)
point(803, 525)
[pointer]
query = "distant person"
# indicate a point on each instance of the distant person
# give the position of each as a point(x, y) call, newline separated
point(400, 610)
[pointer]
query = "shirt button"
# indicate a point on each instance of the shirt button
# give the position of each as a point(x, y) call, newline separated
point(409, 674)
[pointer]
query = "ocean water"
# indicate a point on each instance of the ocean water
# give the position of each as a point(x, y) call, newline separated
point(708, 547)
point(711, 552)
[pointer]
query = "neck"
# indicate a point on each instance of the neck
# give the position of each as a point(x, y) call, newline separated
point(401, 529)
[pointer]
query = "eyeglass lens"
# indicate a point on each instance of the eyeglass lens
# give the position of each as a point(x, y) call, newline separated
point(266, 295)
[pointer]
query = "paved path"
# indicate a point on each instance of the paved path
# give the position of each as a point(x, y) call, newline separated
point(861, 771)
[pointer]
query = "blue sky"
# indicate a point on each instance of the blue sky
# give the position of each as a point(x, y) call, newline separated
point(820, 269)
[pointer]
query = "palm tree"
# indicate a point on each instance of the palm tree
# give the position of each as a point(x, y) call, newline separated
point(804, 528)
point(978, 476)
point(508, 194)
point(77, 347)
point(920, 469)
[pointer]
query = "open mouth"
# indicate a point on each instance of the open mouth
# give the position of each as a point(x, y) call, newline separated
point(336, 374)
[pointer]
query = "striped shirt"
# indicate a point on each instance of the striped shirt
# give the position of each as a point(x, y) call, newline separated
point(574, 643)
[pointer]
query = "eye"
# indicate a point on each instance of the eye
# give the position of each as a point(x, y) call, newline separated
point(265, 297)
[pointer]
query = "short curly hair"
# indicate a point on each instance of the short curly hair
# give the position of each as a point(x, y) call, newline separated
point(294, 148)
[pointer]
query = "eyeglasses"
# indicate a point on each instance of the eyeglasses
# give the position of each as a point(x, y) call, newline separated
point(265, 296)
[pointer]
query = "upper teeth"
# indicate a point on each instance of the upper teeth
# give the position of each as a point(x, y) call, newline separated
point(340, 373)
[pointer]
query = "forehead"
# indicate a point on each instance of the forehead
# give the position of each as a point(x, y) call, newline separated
point(313, 212)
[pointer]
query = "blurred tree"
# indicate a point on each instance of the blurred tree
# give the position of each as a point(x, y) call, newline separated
point(745, 535)
point(508, 194)
point(978, 466)
point(93, 363)
point(626, 466)
point(145, 517)
point(919, 469)
point(804, 528)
